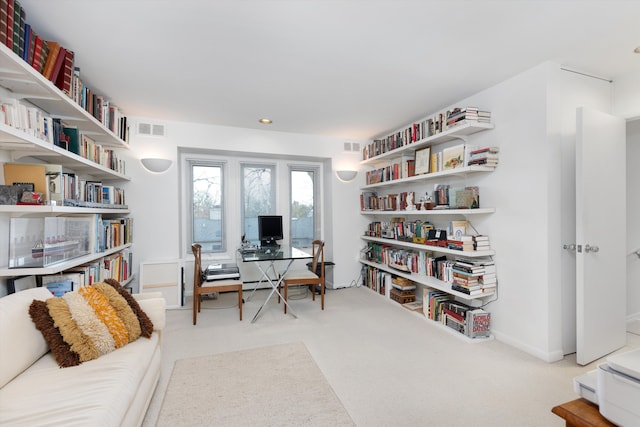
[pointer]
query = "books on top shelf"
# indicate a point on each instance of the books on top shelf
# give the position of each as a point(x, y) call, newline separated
point(57, 64)
point(434, 125)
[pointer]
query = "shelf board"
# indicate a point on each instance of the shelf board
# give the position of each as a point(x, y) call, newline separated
point(465, 212)
point(469, 127)
point(59, 267)
point(26, 209)
point(461, 171)
point(26, 83)
point(428, 281)
point(422, 247)
point(22, 144)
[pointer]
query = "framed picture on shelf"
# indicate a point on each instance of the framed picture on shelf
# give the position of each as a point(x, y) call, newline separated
point(453, 157)
point(422, 159)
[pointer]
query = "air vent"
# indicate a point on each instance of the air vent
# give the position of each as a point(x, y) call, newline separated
point(351, 146)
point(151, 129)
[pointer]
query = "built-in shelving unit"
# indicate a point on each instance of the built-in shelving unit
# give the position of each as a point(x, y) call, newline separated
point(19, 80)
point(461, 131)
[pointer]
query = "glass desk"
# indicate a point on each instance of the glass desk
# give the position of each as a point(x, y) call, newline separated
point(282, 253)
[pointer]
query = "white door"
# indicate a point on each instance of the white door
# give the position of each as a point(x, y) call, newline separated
point(600, 234)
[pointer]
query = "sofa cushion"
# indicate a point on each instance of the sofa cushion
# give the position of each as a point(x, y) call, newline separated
point(86, 324)
point(22, 344)
point(94, 393)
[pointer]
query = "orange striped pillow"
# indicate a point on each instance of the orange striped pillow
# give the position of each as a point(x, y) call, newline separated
point(95, 320)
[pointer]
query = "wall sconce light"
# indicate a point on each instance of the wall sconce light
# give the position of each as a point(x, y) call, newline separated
point(156, 165)
point(346, 175)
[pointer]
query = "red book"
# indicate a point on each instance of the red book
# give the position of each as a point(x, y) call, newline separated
point(10, 12)
point(66, 73)
point(55, 71)
point(37, 52)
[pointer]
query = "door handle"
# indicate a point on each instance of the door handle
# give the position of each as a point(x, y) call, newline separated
point(588, 248)
point(571, 247)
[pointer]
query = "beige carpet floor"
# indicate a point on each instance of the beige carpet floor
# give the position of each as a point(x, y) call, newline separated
point(278, 385)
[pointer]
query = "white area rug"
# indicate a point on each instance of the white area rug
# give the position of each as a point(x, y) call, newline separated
point(279, 385)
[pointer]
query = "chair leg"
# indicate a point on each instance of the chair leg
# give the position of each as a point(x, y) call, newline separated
point(322, 295)
point(286, 296)
point(312, 288)
point(240, 301)
point(195, 307)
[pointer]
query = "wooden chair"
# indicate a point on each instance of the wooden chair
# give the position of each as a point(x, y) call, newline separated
point(308, 277)
point(201, 288)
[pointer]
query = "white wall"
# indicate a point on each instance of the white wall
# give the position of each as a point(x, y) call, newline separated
point(154, 198)
point(626, 96)
point(533, 190)
point(633, 221)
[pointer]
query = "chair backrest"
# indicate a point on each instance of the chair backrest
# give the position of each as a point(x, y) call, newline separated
point(317, 250)
point(196, 248)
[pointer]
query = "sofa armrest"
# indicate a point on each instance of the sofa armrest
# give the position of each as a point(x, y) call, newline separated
point(154, 306)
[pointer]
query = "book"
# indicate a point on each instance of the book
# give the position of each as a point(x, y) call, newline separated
point(57, 66)
point(3, 22)
point(37, 52)
point(16, 27)
point(52, 57)
point(73, 141)
point(63, 82)
point(478, 323)
point(9, 32)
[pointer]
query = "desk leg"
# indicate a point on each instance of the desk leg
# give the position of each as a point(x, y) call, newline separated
point(274, 287)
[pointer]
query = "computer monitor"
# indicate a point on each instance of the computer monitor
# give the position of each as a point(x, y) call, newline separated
point(269, 229)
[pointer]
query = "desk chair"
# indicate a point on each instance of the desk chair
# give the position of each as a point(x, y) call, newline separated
point(308, 277)
point(201, 288)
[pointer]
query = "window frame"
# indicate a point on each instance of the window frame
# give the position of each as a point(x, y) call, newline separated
point(243, 165)
point(191, 163)
point(316, 169)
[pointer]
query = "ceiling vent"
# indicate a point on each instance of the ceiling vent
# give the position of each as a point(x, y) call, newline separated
point(151, 129)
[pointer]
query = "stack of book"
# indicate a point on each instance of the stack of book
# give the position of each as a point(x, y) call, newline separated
point(489, 280)
point(474, 278)
point(459, 115)
point(481, 242)
point(402, 290)
point(485, 156)
point(461, 243)
point(466, 277)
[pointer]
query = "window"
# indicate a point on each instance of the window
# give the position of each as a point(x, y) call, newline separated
point(304, 196)
point(258, 197)
point(207, 200)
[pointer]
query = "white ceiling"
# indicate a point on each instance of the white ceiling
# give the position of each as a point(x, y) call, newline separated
point(347, 68)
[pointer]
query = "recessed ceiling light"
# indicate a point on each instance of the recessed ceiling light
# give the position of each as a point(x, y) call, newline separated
point(637, 50)
point(265, 121)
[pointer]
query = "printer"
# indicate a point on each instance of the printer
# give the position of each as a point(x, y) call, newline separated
point(221, 271)
point(615, 387)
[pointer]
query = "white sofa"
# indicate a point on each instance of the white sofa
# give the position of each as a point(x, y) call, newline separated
point(113, 390)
